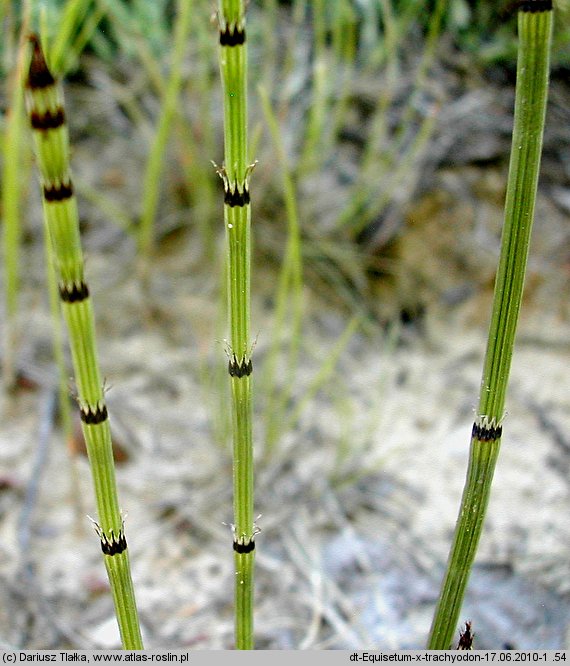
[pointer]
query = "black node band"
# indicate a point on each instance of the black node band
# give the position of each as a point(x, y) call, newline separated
point(243, 548)
point(235, 197)
point(240, 369)
point(74, 293)
point(535, 6)
point(48, 120)
point(232, 37)
point(59, 192)
point(94, 416)
point(114, 545)
point(484, 434)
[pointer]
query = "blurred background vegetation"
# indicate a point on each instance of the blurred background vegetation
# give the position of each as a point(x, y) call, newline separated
point(357, 98)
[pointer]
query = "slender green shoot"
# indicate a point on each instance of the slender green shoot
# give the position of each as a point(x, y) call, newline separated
point(134, 27)
point(151, 183)
point(317, 115)
point(47, 118)
point(324, 374)
point(535, 34)
point(237, 217)
point(11, 204)
point(62, 51)
point(13, 176)
point(86, 34)
point(289, 291)
point(390, 159)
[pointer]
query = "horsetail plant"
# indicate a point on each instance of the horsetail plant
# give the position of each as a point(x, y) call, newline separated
point(237, 219)
point(47, 118)
point(535, 34)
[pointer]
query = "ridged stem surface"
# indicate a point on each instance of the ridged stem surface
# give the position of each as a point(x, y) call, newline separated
point(535, 30)
point(47, 117)
point(237, 218)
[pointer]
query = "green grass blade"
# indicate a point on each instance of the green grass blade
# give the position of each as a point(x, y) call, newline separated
point(47, 116)
point(535, 34)
point(155, 162)
point(61, 52)
point(12, 173)
point(289, 293)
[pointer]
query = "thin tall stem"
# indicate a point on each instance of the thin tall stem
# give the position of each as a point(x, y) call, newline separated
point(154, 166)
point(535, 34)
point(237, 217)
point(12, 179)
point(47, 117)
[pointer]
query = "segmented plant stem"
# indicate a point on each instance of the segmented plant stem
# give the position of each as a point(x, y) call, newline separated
point(237, 217)
point(47, 117)
point(535, 28)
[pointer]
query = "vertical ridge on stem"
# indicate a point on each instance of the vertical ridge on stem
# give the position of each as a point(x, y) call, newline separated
point(535, 34)
point(47, 119)
point(235, 175)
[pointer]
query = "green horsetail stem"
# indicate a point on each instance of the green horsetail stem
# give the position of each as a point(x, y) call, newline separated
point(237, 218)
point(47, 117)
point(535, 33)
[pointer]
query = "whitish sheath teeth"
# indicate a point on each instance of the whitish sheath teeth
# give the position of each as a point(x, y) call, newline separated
point(73, 293)
point(93, 415)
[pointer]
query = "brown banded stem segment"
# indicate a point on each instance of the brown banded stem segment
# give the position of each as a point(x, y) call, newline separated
point(47, 118)
point(535, 36)
point(237, 219)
